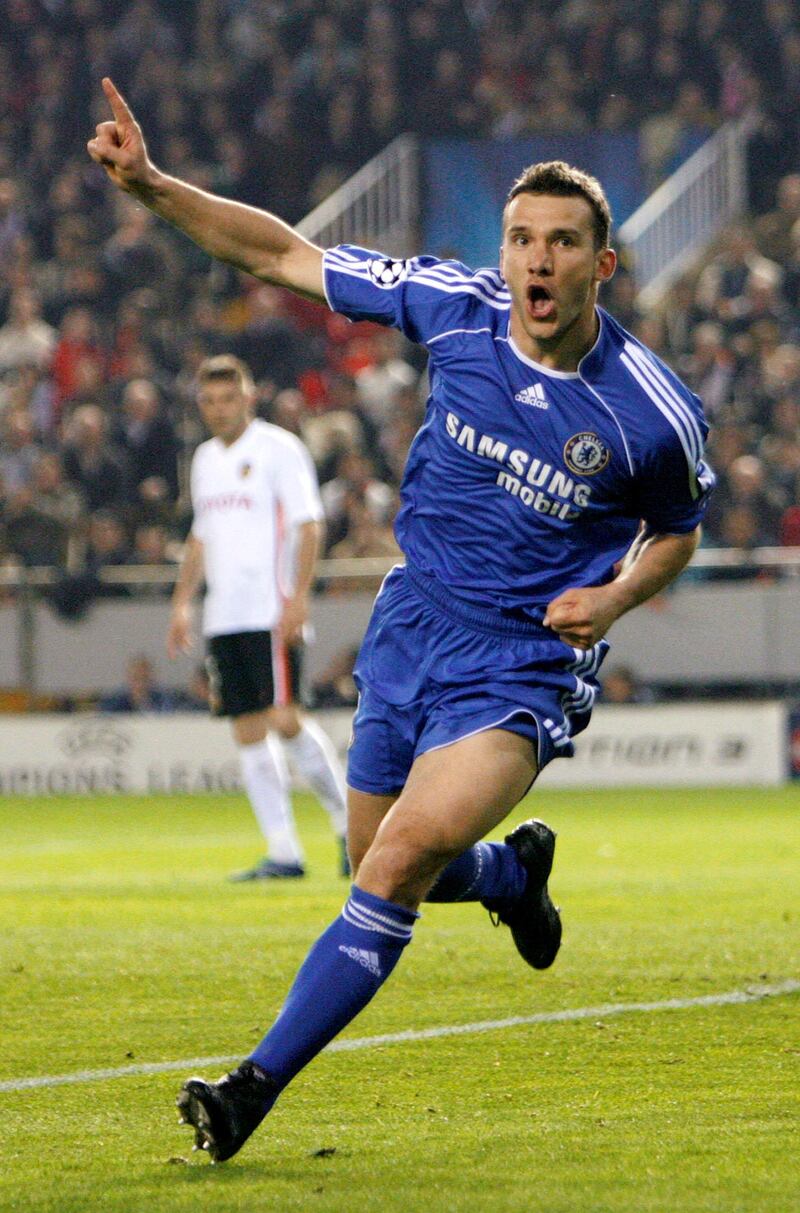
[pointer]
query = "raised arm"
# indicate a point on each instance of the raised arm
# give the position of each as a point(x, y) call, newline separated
point(581, 617)
point(248, 238)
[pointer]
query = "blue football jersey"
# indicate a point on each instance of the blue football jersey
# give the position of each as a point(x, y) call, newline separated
point(525, 481)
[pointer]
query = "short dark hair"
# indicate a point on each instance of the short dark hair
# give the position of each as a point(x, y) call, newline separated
point(228, 368)
point(559, 178)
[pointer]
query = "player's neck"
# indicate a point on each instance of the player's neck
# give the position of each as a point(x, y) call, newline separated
point(229, 438)
point(564, 351)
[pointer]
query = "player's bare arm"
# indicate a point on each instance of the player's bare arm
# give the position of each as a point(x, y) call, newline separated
point(179, 632)
point(245, 236)
point(296, 609)
point(581, 617)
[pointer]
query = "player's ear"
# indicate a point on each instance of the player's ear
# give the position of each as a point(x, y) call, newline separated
point(500, 262)
point(605, 264)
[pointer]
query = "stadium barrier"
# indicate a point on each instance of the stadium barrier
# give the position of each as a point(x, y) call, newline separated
point(378, 207)
point(687, 211)
point(700, 745)
point(701, 634)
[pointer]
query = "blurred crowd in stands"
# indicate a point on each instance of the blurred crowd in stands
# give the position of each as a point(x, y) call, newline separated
point(105, 312)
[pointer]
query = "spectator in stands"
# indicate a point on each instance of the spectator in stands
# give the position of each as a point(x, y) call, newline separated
point(68, 275)
point(343, 397)
point(329, 435)
point(622, 685)
point(106, 547)
point(681, 314)
point(363, 537)
point(670, 137)
point(77, 344)
point(137, 255)
point(19, 451)
point(12, 220)
point(396, 442)
point(355, 476)
point(92, 463)
point(745, 485)
point(42, 517)
point(792, 266)
point(153, 549)
point(722, 284)
point(387, 374)
point(151, 545)
point(25, 338)
point(789, 533)
point(781, 457)
point(740, 533)
point(710, 368)
point(773, 231)
point(141, 692)
point(270, 341)
point(147, 437)
point(444, 110)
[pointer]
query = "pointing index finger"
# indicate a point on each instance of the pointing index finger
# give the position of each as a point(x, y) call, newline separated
point(119, 106)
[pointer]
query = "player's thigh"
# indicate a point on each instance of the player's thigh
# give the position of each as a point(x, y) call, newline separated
point(365, 812)
point(453, 797)
point(250, 727)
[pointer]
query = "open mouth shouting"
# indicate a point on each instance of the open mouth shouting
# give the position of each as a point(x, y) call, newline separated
point(541, 304)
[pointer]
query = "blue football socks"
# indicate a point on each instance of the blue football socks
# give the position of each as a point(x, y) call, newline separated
point(487, 871)
point(343, 971)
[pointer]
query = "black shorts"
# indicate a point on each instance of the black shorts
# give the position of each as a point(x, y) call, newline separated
point(252, 671)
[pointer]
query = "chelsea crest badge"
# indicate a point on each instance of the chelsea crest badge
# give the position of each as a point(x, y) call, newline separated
point(586, 454)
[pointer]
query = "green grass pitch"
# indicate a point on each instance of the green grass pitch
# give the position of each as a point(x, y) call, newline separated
point(123, 945)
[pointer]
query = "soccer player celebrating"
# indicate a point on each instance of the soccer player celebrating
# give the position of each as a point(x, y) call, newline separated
point(557, 482)
point(254, 541)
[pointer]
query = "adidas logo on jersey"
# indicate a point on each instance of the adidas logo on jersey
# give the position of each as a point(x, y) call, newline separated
point(533, 395)
point(367, 960)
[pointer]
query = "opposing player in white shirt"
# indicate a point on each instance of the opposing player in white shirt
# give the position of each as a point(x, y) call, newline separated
point(254, 539)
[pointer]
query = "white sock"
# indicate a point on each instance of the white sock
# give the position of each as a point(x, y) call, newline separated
point(312, 752)
point(266, 781)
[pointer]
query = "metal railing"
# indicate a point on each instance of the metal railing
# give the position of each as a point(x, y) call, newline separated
point(378, 207)
point(31, 631)
point(150, 576)
point(686, 212)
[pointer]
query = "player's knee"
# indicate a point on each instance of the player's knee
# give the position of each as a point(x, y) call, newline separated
point(404, 861)
point(285, 720)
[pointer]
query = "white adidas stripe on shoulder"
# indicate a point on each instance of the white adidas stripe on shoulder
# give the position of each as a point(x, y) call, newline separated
point(675, 421)
point(356, 269)
point(451, 283)
point(338, 251)
point(450, 274)
point(467, 287)
point(453, 332)
point(684, 415)
point(664, 389)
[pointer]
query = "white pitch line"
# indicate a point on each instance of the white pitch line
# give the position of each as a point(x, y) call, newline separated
point(732, 998)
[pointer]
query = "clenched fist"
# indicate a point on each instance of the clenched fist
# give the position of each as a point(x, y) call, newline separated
point(581, 617)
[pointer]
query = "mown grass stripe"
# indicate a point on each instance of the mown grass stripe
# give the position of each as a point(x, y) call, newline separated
point(732, 998)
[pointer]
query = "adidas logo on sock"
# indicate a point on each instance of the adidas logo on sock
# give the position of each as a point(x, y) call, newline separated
point(367, 960)
point(533, 395)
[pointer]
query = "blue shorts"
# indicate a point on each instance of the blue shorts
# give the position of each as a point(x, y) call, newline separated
point(433, 670)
